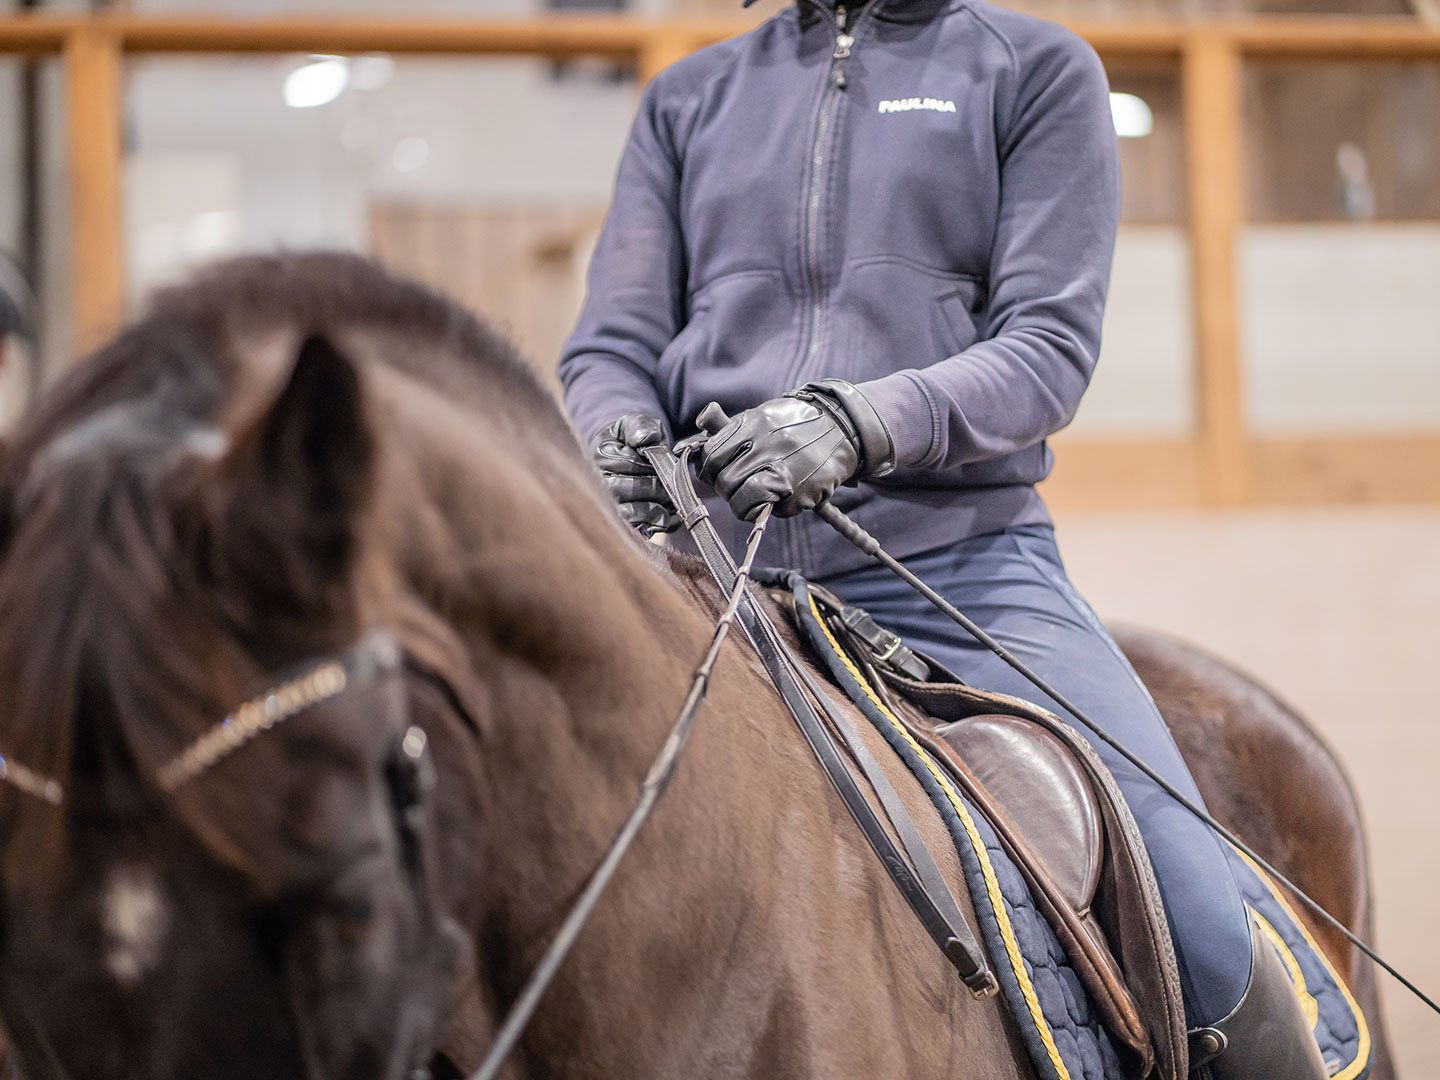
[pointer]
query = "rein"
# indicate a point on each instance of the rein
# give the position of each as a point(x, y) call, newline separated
point(921, 885)
point(712, 418)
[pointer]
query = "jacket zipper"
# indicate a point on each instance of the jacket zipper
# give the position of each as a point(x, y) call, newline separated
point(835, 81)
point(819, 149)
point(844, 42)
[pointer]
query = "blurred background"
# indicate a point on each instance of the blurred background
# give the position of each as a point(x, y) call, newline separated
point(1256, 468)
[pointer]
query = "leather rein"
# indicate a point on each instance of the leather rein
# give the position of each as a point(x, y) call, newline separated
point(912, 869)
point(920, 884)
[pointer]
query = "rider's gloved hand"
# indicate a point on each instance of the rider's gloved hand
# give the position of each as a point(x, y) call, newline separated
point(795, 450)
point(628, 476)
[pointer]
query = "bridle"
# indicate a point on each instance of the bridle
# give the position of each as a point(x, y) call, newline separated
point(373, 658)
point(409, 772)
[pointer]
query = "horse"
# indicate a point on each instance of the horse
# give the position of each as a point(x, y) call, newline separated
point(328, 673)
point(1304, 818)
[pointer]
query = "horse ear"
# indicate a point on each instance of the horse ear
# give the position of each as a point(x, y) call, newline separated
point(298, 481)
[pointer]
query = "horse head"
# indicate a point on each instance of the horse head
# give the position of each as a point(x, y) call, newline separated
point(218, 853)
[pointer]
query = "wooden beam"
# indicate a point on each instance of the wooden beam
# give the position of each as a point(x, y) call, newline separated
point(1337, 37)
point(1348, 469)
point(1211, 78)
point(1334, 38)
point(1117, 39)
point(557, 36)
point(662, 50)
point(93, 102)
point(1124, 474)
point(32, 35)
point(1313, 469)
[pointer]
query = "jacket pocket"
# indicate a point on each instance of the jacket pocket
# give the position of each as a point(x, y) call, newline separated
point(689, 343)
point(736, 356)
point(955, 319)
point(890, 313)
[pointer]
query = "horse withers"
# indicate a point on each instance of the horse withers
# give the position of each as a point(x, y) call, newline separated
point(279, 460)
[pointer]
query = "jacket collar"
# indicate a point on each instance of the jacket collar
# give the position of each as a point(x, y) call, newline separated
point(893, 11)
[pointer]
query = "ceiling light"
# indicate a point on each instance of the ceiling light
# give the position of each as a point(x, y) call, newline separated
point(1133, 118)
point(317, 83)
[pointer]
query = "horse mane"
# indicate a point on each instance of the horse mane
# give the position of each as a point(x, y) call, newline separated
point(92, 559)
point(185, 352)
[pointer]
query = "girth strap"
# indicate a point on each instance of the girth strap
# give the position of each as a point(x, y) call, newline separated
point(918, 878)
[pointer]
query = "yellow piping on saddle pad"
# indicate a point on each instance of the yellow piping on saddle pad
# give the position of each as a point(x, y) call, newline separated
point(1308, 1004)
point(992, 884)
point(1362, 1049)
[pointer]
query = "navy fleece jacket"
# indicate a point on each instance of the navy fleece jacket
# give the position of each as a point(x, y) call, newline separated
point(931, 217)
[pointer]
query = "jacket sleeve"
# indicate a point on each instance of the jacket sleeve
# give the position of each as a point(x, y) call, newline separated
point(1049, 270)
point(636, 286)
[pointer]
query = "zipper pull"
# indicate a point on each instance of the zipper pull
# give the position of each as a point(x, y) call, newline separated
point(843, 42)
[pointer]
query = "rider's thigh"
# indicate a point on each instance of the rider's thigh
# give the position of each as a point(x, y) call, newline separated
point(1014, 585)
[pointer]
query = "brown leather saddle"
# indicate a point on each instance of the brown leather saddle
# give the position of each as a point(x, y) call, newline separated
point(1063, 821)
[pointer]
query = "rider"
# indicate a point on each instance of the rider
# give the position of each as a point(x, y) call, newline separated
point(879, 235)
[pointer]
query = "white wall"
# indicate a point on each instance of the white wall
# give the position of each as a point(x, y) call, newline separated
point(1144, 384)
point(1342, 326)
point(1340, 331)
point(213, 136)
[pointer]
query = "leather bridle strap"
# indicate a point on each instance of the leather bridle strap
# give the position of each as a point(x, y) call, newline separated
point(917, 878)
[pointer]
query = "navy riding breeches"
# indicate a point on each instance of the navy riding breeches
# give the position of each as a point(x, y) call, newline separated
point(1014, 585)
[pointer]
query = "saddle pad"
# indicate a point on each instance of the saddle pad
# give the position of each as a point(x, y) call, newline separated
point(1058, 1024)
point(1339, 1025)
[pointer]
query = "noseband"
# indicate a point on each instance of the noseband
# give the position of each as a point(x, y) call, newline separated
point(369, 660)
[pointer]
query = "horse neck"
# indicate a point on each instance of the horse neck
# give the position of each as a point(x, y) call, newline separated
point(582, 638)
point(584, 641)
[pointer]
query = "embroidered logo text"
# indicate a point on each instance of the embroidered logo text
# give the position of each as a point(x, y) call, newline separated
point(907, 104)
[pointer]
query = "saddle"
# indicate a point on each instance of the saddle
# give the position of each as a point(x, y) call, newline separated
point(1058, 814)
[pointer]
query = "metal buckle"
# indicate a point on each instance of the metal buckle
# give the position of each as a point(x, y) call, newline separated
point(890, 650)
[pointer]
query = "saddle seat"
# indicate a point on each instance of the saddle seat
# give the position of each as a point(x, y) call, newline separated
point(1062, 820)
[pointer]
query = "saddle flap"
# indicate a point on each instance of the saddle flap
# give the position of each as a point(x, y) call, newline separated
point(1052, 794)
point(1038, 783)
point(1125, 931)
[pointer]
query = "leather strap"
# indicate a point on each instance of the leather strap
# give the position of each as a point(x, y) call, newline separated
point(922, 885)
point(871, 436)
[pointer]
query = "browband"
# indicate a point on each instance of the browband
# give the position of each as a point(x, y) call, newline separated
point(374, 656)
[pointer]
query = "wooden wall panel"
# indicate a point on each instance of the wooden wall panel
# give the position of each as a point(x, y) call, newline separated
point(521, 267)
point(1318, 469)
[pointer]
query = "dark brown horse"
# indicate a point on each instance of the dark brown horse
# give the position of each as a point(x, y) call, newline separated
point(291, 452)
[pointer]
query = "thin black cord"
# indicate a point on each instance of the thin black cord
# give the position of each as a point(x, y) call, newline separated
point(847, 528)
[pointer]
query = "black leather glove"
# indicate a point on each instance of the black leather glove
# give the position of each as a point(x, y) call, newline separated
point(795, 450)
point(628, 476)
